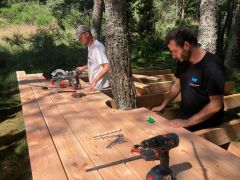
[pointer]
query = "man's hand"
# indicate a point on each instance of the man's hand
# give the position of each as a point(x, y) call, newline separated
point(81, 68)
point(158, 108)
point(91, 87)
point(178, 123)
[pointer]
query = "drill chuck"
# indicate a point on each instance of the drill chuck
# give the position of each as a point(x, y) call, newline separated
point(161, 142)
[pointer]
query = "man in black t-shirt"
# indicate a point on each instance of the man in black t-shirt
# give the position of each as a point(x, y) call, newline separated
point(199, 78)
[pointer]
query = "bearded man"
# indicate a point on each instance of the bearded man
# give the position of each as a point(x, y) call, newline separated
point(200, 79)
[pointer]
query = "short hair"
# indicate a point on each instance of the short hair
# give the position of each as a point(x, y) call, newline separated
point(180, 35)
point(82, 29)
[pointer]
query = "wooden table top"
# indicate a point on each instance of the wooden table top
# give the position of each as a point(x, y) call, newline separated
point(60, 132)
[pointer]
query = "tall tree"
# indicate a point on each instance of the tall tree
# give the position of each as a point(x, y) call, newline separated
point(118, 54)
point(208, 29)
point(97, 18)
point(233, 53)
point(226, 12)
point(145, 24)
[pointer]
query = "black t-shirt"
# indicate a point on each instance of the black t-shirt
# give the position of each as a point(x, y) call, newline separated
point(198, 82)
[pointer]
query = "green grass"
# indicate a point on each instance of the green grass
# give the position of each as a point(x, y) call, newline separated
point(26, 13)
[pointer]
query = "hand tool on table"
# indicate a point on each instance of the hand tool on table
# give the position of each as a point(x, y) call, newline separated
point(101, 135)
point(156, 148)
point(118, 140)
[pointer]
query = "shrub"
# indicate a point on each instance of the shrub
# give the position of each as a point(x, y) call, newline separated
point(27, 13)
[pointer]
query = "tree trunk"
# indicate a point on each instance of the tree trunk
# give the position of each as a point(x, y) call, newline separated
point(97, 18)
point(118, 54)
point(208, 28)
point(225, 28)
point(233, 52)
point(182, 12)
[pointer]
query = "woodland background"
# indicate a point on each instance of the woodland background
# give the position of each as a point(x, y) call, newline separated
point(38, 36)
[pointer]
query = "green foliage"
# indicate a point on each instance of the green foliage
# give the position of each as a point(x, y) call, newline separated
point(22, 148)
point(234, 76)
point(49, 48)
point(27, 13)
point(237, 139)
point(70, 13)
point(142, 18)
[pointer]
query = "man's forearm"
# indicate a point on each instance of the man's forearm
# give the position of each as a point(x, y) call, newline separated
point(173, 93)
point(102, 73)
point(215, 105)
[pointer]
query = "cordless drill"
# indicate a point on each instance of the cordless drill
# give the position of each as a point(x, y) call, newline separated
point(157, 148)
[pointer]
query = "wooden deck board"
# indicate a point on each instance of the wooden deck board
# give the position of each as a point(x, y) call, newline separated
point(45, 163)
point(72, 124)
point(107, 119)
point(72, 154)
point(83, 122)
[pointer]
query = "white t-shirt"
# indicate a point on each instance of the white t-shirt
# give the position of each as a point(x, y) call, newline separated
point(97, 57)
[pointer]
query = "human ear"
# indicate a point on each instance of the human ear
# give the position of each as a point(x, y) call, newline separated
point(186, 45)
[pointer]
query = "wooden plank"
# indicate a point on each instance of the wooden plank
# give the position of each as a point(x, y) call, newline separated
point(197, 144)
point(223, 134)
point(111, 120)
point(231, 101)
point(144, 99)
point(234, 148)
point(44, 159)
point(159, 87)
point(165, 77)
point(204, 158)
point(73, 156)
point(152, 79)
point(229, 87)
point(152, 88)
point(85, 126)
point(140, 88)
point(200, 153)
point(102, 123)
point(151, 72)
point(145, 79)
point(140, 85)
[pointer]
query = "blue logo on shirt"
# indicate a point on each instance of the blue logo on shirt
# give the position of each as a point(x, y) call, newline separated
point(194, 82)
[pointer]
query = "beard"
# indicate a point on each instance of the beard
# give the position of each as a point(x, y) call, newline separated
point(185, 56)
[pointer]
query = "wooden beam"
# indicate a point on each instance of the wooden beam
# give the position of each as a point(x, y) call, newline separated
point(44, 159)
point(141, 88)
point(165, 77)
point(151, 72)
point(70, 151)
point(223, 134)
point(231, 101)
point(144, 79)
point(159, 87)
point(152, 79)
point(152, 88)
